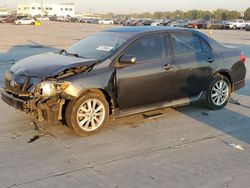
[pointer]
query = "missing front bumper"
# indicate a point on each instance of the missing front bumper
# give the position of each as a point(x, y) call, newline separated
point(49, 110)
point(11, 100)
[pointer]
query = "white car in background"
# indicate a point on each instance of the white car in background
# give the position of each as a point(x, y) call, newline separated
point(25, 21)
point(156, 24)
point(235, 24)
point(106, 21)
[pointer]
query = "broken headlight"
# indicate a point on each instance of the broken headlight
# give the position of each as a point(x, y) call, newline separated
point(50, 88)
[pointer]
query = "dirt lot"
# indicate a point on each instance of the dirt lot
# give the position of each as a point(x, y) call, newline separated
point(186, 147)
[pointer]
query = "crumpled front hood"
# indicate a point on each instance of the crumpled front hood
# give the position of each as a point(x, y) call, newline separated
point(48, 64)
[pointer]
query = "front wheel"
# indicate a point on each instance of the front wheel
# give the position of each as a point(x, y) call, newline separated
point(88, 114)
point(218, 93)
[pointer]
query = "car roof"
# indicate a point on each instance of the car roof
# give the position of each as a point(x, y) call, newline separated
point(141, 29)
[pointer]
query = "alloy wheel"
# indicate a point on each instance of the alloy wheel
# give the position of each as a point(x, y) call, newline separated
point(91, 115)
point(219, 92)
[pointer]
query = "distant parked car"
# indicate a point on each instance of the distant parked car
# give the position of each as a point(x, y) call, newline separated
point(165, 22)
point(214, 25)
point(7, 19)
point(128, 22)
point(63, 19)
point(235, 24)
point(147, 22)
point(94, 21)
point(53, 18)
point(196, 24)
point(20, 17)
point(74, 20)
point(42, 19)
point(138, 22)
point(181, 23)
point(106, 21)
point(248, 27)
point(25, 21)
point(119, 21)
point(156, 23)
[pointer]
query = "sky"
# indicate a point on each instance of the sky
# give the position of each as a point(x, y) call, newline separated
point(138, 6)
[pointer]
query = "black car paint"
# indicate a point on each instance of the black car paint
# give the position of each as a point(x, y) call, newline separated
point(48, 64)
point(139, 84)
point(130, 90)
point(143, 83)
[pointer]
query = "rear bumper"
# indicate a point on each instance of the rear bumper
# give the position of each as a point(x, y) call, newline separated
point(239, 85)
point(12, 101)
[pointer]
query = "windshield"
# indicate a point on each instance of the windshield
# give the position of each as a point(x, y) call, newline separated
point(99, 46)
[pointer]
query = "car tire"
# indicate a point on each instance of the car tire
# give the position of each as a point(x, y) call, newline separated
point(218, 93)
point(91, 110)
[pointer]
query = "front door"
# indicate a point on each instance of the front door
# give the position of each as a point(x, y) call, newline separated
point(151, 79)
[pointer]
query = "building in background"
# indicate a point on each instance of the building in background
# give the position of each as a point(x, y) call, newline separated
point(50, 9)
point(3, 11)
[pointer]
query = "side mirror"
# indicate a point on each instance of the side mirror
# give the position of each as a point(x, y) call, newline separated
point(127, 59)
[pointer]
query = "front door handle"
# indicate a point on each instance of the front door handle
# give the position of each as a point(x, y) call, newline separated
point(168, 67)
point(211, 60)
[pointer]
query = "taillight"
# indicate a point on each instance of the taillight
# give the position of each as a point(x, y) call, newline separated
point(242, 57)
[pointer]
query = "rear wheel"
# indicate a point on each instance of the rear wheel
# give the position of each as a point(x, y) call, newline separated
point(218, 93)
point(88, 114)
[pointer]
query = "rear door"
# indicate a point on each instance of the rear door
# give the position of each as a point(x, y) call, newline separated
point(151, 79)
point(194, 61)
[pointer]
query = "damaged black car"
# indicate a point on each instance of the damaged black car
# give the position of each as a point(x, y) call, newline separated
point(124, 71)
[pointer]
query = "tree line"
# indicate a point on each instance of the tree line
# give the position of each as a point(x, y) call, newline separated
point(219, 14)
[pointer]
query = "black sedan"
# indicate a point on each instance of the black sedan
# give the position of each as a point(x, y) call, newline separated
point(248, 27)
point(124, 71)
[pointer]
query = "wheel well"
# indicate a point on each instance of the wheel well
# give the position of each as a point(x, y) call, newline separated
point(226, 74)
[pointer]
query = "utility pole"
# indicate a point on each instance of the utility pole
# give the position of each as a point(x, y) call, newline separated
point(42, 8)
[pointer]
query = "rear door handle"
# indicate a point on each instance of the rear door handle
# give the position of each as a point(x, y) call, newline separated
point(168, 67)
point(211, 60)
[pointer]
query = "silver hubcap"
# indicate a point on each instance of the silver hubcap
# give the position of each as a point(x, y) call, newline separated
point(91, 115)
point(220, 92)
